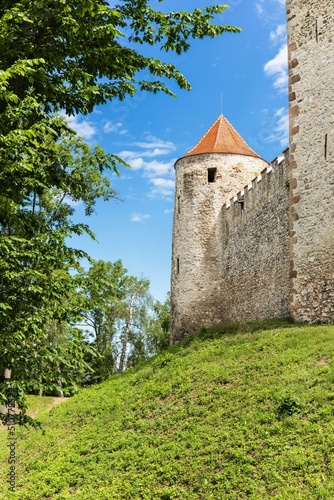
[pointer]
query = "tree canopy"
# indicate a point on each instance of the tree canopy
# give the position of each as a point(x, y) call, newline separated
point(84, 52)
point(59, 57)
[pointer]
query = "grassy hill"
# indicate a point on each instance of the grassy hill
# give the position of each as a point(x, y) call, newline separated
point(232, 413)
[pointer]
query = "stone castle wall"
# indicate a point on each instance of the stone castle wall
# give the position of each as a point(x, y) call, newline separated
point(311, 74)
point(269, 252)
point(254, 255)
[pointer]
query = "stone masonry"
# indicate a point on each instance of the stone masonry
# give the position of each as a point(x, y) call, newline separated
point(311, 95)
point(252, 240)
point(255, 247)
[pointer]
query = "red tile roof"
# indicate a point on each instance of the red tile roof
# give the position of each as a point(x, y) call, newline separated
point(222, 138)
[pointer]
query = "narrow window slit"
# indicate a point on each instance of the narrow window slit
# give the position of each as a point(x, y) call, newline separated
point(326, 144)
point(212, 174)
point(178, 205)
point(241, 203)
point(177, 266)
point(316, 30)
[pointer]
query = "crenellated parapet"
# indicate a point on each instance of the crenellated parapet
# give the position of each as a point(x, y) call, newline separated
point(262, 188)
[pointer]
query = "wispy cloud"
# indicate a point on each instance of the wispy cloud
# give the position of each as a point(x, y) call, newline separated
point(136, 217)
point(132, 155)
point(278, 69)
point(85, 128)
point(275, 129)
point(114, 127)
point(281, 128)
point(143, 156)
point(71, 202)
point(269, 8)
point(279, 35)
point(153, 142)
point(162, 187)
point(259, 7)
point(157, 169)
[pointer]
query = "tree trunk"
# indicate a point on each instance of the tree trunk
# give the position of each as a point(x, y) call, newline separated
point(7, 375)
point(126, 336)
point(60, 384)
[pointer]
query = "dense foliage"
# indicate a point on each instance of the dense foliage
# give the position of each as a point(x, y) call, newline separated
point(59, 56)
point(121, 318)
point(82, 53)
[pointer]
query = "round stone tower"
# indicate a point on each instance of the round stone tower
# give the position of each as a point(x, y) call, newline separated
point(217, 168)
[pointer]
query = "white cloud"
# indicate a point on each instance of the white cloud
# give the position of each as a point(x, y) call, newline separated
point(85, 128)
point(71, 202)
point(130, 155)
point(281, 127)
point(259, 8)
point(153, 142)
point(136, 163)
point(150, 169)
point(136, 217)
point(168, 211)
point(162, 188)
point(278, 68)
point(265, 7)
point(279, 35)
point(165, 183)
point(110, 126)
point(159, 173)
point(156, 169)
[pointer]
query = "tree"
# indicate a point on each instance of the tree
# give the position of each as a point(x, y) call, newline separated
point(57, 365)
point(132, 323)
point(159, 332)
point(72, 56)
point(154, 334)
point(125, 323)
point(86, 51)
point(103, 287)
point(117, 316)
point(58, 55)
point(36, 282)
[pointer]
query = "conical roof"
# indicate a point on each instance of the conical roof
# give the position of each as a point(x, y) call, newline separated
point(222, 138)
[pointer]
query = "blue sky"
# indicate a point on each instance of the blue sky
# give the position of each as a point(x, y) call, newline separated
point(244, 75)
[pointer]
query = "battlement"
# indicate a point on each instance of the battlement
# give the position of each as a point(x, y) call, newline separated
point(262, 188)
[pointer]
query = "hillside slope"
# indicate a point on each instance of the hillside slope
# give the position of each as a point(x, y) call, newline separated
point(220, 416)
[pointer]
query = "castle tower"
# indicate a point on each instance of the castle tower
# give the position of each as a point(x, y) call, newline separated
point(311, 96)
point(219, 166)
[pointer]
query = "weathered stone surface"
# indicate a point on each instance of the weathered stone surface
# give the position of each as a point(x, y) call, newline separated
point(255, 249)
point(268, 252)
point(311, 35)
point(196, 260)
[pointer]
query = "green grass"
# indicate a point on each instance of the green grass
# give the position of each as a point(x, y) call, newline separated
point(241, 411)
